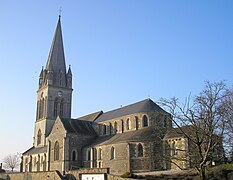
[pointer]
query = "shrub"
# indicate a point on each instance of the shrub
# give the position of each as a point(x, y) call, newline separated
point(126, 175)
point(220, 172)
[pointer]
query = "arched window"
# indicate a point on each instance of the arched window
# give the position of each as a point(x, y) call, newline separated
point(61, 107)
point(45, 107)
point(55, 107)
point(74, 158)
point(88, 154)
point(122, 126)
point(144, 121)
point(38, 110)
point(115, 127)
point(140, 150)
point(127, 124)
point(35, 161)
point(173, 148)
point(100, 154)
point(56, 151)
point(94, 157)
point(44, 163)
point(136, 122)
point(39, 137)
point(42, 108)
point(104, 129)
point(30, 164)
point(38, 163)
point(112, 153)
point(110, 128)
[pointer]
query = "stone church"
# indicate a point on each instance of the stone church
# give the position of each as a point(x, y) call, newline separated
point(127, 139)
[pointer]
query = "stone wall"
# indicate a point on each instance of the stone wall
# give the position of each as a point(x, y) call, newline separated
point(53, 175)
point(35, 162)
point(177, 153)
point(118, 164)
point(152, 158)
point(126, 159)
point(57, 135)
point(76, 143)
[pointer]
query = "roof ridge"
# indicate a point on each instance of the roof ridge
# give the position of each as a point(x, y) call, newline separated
point(146, 105)
point(129, 105)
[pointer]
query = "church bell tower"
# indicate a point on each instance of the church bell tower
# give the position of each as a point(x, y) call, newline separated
point(54, 93)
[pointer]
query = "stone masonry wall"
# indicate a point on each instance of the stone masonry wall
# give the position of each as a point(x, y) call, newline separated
point(48, 175)
point(57, 135)
point(53, 175)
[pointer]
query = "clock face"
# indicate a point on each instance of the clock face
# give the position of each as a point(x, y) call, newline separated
point(59, 94)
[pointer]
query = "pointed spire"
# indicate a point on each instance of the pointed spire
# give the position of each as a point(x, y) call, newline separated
point(69, 78)
point(42, 72)
point(56, 59)
point(69, 71)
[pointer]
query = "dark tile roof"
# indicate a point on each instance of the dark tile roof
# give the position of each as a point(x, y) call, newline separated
point(142, 135)
point(36, 150)
point(91, 117)
point(178, 132)
point(146, 105)
point(78, 126)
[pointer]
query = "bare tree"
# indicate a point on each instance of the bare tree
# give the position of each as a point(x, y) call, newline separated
point(227, 105)
point(206, 119)
point(11, 161)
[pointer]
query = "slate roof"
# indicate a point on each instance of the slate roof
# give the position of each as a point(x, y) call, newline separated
point(78, 126)
point(56, 59)
point(142, 135)
point(36, 150)
point(91, 117)
point(177, 132)
point(146, 105)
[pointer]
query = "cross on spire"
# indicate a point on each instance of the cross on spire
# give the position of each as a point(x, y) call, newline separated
point(60, 10)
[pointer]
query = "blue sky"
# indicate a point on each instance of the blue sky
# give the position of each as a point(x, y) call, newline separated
point(120, 51)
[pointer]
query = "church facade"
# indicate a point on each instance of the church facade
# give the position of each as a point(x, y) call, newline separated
point(128, 139)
